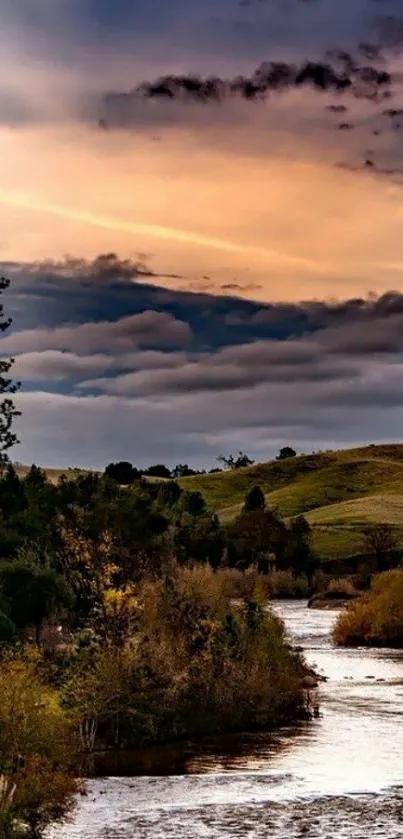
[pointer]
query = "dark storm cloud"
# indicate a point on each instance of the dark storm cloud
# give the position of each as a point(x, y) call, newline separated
point(361, 72)
point(372, 133)
point(344, 76)
point(194, 374)
point(83, 293)
point(182, 343)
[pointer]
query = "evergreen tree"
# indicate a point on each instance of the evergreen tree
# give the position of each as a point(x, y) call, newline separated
point(8, 410)
point(255, 500)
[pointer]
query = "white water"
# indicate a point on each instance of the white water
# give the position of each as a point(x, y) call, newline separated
point(338, 776)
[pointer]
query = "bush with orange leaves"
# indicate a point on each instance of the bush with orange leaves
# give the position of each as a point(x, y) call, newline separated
point(376, 618)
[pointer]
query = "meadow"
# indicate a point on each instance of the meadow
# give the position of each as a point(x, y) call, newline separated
point(338, 492)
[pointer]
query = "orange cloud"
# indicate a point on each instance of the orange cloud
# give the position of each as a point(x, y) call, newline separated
point(296, 227)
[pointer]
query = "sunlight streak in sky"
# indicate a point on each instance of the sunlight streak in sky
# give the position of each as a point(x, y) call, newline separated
point(24, 201)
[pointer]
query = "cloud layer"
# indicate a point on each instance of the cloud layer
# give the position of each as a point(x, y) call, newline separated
point(227, 150)
point(186, 375)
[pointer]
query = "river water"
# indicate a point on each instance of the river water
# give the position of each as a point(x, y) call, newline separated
point(339, 776)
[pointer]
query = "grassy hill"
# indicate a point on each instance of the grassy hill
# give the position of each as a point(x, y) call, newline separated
point(339, 492)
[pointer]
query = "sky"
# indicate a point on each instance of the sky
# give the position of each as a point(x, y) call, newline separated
point(200, 212)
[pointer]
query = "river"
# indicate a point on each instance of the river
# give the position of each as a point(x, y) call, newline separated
point(339, 776)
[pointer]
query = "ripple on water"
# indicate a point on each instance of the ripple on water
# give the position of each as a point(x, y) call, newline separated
point(122, 813)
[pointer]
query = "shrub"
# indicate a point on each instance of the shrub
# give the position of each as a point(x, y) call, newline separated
point(36, 748)
point(341, 587)
point(251, 585)
point(376, 618)
point(283, 584)
point(199, 662)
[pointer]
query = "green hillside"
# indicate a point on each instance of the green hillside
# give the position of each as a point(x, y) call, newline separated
point(339, 492)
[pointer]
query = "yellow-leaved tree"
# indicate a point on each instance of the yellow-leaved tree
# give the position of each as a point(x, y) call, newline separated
point(37, 752)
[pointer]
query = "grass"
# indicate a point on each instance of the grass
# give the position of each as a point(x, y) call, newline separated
point(380, 507)
point(337, 528)
point(336, 542)
point(339, 492)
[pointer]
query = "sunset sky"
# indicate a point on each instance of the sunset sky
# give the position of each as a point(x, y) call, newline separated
point(224, 213)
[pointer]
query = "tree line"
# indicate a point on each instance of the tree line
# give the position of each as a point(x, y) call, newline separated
point(124, 473)
point(58, 541)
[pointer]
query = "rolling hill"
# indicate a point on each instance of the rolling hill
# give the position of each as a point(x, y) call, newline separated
point(339, 492)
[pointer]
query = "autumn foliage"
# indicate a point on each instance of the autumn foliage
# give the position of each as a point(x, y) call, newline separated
point(376, 618)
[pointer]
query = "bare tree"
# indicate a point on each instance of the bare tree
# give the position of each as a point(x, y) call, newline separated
point(232, 462)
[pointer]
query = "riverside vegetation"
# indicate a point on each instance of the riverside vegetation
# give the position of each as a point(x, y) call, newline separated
point(376, 618)
point(130, 616)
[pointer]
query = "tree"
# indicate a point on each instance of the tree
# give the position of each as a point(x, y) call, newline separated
point(123, 473)
point(200, 539)
point(12, 494)
point(299, 555)
point(169, 494)
point(379, 539)
point(255, 500)
point(8, 411)
point(8, 630)
point(193, 503)
point(232, 462)
point(182, 470)
point(286, 452)
point(254, 536)
point(37, 752)
point(32, 594)
point(158, 471)
point(36, 478)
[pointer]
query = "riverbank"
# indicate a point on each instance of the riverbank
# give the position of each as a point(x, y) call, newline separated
point(335, 593)
point(375, 619)
point(339, 773)
point(177, 658)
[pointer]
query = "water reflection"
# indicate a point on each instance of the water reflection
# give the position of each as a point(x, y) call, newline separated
point(247, 752)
